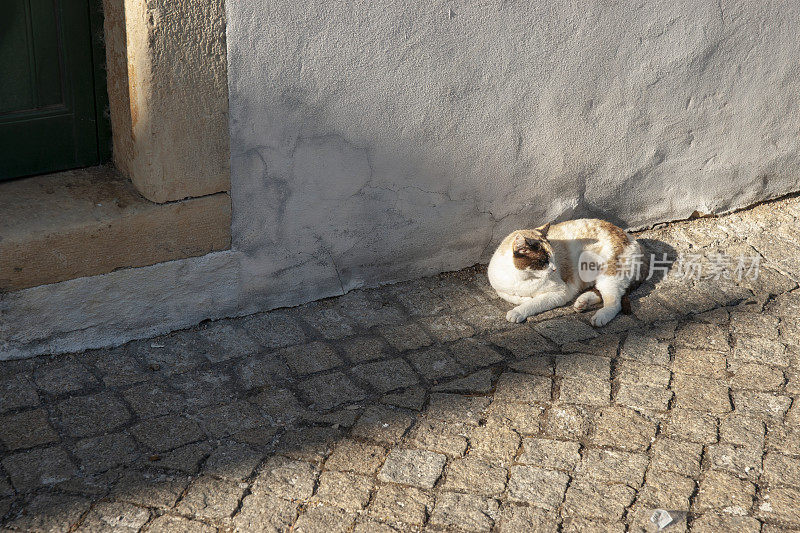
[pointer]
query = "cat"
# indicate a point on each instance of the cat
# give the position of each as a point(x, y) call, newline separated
point(538, 269)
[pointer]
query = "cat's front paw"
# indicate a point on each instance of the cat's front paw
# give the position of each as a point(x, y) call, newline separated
point(516, 316)
point(603, 316)
point(586, 300)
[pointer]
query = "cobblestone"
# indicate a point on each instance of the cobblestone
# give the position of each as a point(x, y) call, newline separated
point(702, 394)
point(713, 522)
point(419, 468)
point(447, 328)
point(590, 499)
point(185, 458)
point(546, 453)
point(116, 516)
point(522, 518)
point(612, 466)
point(471, 474)
point(456, 408)
point(348, 491)
point(478, 382)
point(233, 461)
point(781, 503)
point(495, 442)
point(537, 486)
point(62, 377)
point(171, 354)
point(286, 478)
point(441, 437)
point(565, 330)
point(382, 424)
point(166, 432)
point(356, 456)
point(526, 388)
point(177, 524)
point(676, 456)
point(273, 330)
point(407, 505)
point(643, 397)
point(18, 391)
point(468, 512)
point(223, 420)
point(384, 376)
point(724, 492)
point(153, 398)
point(98, 454)
point(210, 498)
point(323, 519)
point(50, 512)
point(32, 469)
point(525, 419)
point(692, 426)
point(473, 354)
point(744, 462)
point(623, 428)
point(150, 489)
point(26, 430)
point(264, 511)
point(585, 391)
point(330, 390)
point(667, 490)
point(757, 377)
point(766, 405)
point(418, 407)
point(780, 469)
point(759, 350)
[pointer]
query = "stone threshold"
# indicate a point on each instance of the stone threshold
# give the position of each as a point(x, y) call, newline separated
point(92, 221)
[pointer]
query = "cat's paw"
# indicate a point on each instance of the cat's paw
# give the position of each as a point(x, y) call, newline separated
point(581, 306)
point(586, 300)
point(516, 316)
point(603, 316)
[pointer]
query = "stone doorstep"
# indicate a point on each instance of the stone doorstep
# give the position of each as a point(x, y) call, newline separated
point(92, 221)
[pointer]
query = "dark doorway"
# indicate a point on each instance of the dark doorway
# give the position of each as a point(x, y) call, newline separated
point(53, 98)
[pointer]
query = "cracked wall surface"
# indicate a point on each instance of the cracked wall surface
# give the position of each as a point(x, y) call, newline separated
point(373, 142)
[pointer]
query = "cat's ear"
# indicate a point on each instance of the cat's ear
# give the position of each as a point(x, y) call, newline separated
point(519, 242)
point(544, 229)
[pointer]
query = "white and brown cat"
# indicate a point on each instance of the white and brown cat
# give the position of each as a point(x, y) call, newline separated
point(538, 269)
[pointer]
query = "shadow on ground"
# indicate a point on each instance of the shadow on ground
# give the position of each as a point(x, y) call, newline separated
point(418, 406)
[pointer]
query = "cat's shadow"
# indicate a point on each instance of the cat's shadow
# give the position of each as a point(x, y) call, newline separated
point(659, 259)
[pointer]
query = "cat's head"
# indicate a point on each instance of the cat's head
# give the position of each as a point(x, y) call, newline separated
point(531, 251)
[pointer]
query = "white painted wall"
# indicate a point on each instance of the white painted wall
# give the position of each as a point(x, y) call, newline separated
point(383, 140)
point(379, 140)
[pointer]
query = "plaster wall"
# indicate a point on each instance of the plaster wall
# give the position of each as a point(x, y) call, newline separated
point(378, 141)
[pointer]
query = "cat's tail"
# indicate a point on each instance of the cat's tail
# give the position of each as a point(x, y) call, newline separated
point(625, 302)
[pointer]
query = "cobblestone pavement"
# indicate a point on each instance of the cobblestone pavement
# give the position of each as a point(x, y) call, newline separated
point(418, 407)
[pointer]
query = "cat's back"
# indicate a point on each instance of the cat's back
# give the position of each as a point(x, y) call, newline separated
point(599, 236)
point(591, 233)
point(588, 228)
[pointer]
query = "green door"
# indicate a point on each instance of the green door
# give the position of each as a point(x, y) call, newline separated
point(49, 73)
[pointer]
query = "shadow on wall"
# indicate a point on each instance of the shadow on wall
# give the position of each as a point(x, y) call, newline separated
point(316, 214)
point(248, 422)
